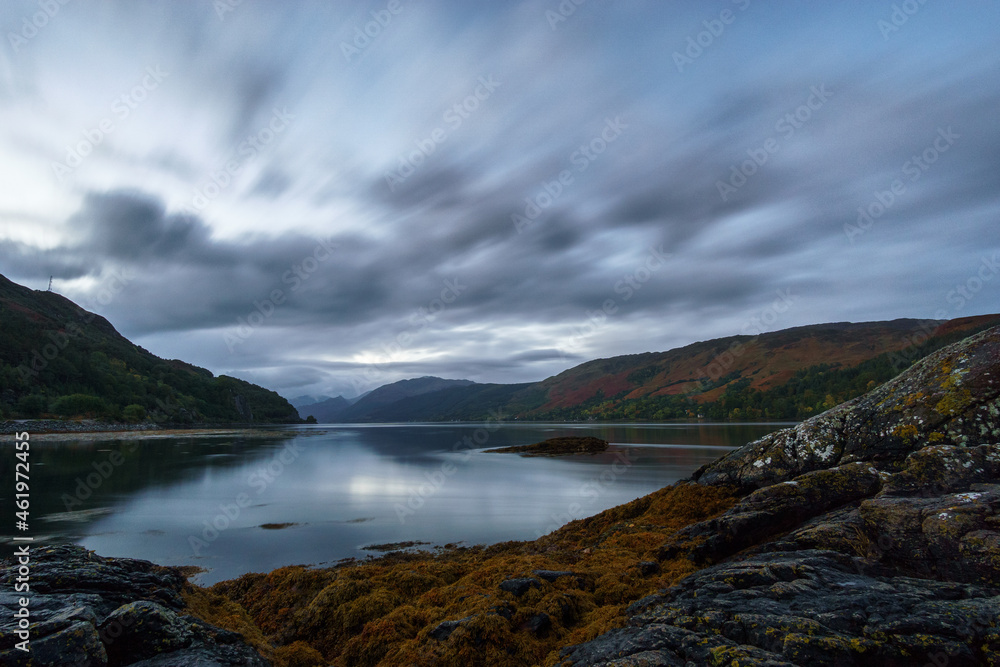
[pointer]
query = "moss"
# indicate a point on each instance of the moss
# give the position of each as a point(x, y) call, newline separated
point(222, 612)
point(298, 654)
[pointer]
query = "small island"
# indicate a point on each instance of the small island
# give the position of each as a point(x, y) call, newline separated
point(563, 446)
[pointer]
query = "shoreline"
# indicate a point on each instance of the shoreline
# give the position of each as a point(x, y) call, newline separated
point(56, 430)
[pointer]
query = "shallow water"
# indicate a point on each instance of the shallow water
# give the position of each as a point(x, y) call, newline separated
point(203, 501)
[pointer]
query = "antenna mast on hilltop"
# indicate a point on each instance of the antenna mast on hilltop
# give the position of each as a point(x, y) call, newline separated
point(50, 284)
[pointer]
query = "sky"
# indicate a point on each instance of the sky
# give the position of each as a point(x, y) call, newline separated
point(325, 197)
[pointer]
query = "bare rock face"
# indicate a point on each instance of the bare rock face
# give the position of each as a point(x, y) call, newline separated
point(869, 534)
point(89, 610)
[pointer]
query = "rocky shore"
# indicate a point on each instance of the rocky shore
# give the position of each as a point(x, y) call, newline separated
point(88, 611)
point(868, 535)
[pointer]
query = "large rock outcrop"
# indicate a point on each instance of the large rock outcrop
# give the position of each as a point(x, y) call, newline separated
point(869, 534)
point(110, 612)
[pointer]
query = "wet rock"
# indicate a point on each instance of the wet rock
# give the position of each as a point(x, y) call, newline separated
point(89, 610)
point(539, 624)
point(444, 629)
point(551, 575)
point(519, 586)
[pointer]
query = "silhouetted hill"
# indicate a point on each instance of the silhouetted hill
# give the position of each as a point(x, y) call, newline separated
point(58, 359)
point(373, 403)
point(326, 411)
point(303, 401)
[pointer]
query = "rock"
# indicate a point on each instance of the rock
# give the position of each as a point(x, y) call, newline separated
point(539, 624)
point(805, 608)
point(140, 630)
point(520, 586)
point(444, 629)
point(89, 610)
point(561, 446)
point(648, 568)
point(951, 397)
point(551, 575)
point(75, 644)
point(869, 534)
point(951, 537)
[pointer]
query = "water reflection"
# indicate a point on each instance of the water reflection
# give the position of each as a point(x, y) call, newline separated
point(332, 491)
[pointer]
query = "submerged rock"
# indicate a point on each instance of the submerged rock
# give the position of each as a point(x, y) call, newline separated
point(562, 446)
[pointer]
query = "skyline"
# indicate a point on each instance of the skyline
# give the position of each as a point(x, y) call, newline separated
point(325, 200)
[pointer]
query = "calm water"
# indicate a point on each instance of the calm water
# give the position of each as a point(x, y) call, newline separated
point(203, 501)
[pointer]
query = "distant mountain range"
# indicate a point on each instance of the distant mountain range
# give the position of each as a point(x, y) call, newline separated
point(784, 375)
point(370, 407)
point(57, 359)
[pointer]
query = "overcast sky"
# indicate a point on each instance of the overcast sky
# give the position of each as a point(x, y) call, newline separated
point(323, 199)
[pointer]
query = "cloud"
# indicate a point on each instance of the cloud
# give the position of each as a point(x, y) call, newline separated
point(448, 219)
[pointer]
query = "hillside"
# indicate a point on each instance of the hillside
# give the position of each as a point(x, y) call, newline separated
point(372, 406)
point(790, 374)
point(58, 359)
point(325, 411)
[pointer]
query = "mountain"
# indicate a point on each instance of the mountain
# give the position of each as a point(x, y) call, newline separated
point(303, 401)
point(327, 411)
point(58, 359)
point(373, 403)
point(788, 374)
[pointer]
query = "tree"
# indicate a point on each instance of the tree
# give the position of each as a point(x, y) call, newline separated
point(134, 413)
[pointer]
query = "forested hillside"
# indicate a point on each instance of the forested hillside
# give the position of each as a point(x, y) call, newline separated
point(57, 359)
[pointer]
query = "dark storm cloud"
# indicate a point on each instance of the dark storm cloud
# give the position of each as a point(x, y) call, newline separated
point(654, 187)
